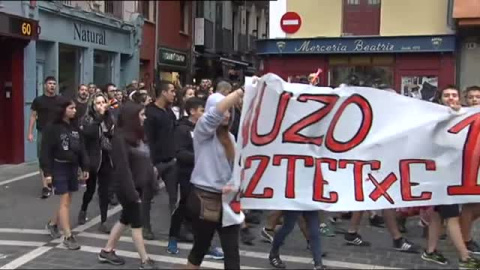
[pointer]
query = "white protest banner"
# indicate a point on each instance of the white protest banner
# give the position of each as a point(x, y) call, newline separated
point(305, 148)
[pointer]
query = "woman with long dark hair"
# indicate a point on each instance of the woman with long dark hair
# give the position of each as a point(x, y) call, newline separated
point(63, 152)
point(133, 172)
point(179, 106)
point(97, 127)
point(214, 156)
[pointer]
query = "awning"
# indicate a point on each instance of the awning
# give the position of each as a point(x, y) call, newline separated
point(228, 60)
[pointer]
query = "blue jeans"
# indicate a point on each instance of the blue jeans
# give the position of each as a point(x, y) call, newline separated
point(289, 220)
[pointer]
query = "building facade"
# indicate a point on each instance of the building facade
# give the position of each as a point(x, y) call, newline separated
point(407, 45)
point(175, 34)
point(18, 32)
point(148, 9)
point(83, 42)
point(225, 38)
point(467, 17)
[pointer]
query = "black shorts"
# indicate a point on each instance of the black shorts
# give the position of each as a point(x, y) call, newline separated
point(448, 211)
point(131, 215)
point(64, 177)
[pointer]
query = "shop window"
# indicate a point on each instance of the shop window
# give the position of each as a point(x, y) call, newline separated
point(361, 17)
point(68, 70)
point(184, 17)
point(420, 87)
point(368, 76)
point(102, 67)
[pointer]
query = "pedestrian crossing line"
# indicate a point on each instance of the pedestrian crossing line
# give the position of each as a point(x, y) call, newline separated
point(250, 254)
point(18, 178)
point(18, 262)
point(23, 231)
point(158, 258)
point(96, 219)
point(21, 243)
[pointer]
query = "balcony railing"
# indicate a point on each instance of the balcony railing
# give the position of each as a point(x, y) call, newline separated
point(252, 44)
point(241, 43)
point(67, 3)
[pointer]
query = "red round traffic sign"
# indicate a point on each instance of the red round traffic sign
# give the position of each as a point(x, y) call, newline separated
point(290, 22)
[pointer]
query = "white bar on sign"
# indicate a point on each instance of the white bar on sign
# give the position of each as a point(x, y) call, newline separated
point(291, 22)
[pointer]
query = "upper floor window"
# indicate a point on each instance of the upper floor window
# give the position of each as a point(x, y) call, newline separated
point(361, 17)
point(145, 8)
point(184, 17)
point(114, 8)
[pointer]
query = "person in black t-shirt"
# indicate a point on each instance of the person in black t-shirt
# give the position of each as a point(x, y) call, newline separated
point(41, 113)
point(159, 129)
point(81, 101)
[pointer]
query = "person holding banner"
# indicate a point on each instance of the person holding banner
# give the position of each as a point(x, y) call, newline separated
point(449, 96)
point(471, 211)
point(214, 148)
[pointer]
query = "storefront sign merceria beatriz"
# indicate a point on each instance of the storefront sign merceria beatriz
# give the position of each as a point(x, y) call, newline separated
point(86, 34)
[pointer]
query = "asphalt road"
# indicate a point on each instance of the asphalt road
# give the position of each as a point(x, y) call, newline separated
point(24, 242)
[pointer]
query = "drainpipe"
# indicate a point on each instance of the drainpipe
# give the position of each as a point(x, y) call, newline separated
point(157, 40)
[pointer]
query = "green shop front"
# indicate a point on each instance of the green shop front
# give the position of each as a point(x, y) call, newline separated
point(173, 65)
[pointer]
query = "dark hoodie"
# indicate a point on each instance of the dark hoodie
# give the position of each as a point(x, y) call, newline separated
point(133, 169)
point(98, 132)
point(184, 149)
point(63, 142)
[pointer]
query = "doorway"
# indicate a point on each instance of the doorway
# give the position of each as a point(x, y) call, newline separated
point(68, 70)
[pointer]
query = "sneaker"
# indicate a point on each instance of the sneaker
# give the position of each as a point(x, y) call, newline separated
point(267, 235)
point(319, 267)
point(148, 234)
point(325, 230)
point(148, 264)
point(172, 246)
point(110, 257)
point(354, 239)
point(403, 245)
point(82, 217)
point(435, 257)
point(276, 262)
point(215, 253)
point(46, 192)
point(71, 243)
point(377, 221)
point(103, 228)
point(246, 237)
point(53, 230)
point(473, 247)
point(470, 263)
point(334, 220)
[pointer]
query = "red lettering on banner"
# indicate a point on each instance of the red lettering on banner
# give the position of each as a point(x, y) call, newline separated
point(358, 173)
point(319, 182)
point(248, 117)
point(367, 118)
point(260, 140)
point(291, 165)
point(406, 184)
point(292, 134)
point(381, 188)
point(471, 157)
point(262, 166)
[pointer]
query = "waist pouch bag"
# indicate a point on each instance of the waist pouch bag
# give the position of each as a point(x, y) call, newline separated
point(208, 205)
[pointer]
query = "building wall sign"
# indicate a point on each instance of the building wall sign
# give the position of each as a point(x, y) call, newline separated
point(15, 26)
point(87, 35)
point(358, 45)
point(171, 57)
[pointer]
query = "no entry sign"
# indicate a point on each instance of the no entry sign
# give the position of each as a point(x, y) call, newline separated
point(290, 22)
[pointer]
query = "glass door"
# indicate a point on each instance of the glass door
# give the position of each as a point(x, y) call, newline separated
point(68, 70)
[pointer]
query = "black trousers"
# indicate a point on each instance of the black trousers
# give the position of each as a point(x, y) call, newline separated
point(168, 174)
point(103, 177)
point(203, 232)
point(179, 215)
